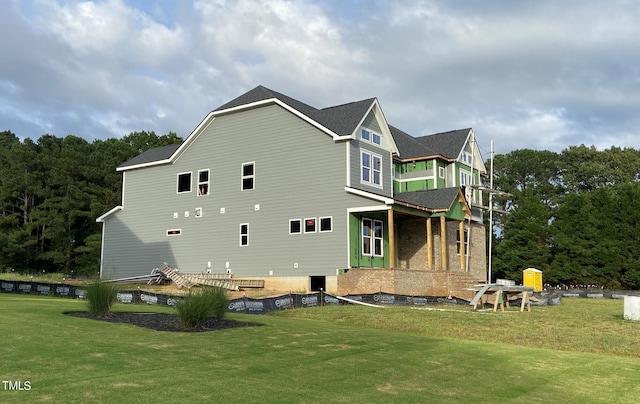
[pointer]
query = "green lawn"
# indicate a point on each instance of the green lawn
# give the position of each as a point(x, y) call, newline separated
point(332, 354)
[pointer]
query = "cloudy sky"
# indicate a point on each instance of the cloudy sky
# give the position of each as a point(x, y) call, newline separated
point(540, 74)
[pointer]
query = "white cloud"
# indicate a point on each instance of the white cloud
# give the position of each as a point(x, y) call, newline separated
point(527, 74)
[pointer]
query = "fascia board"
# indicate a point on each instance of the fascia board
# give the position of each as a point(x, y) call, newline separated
point(478, 155)
point(466, 142)
point(383, 199)
point(153, 163)
point(294, 111)
point(194, 134)
point(385, 127)
point(102, 218)
point(212, 115)
point(430, 157)
point(374, 208)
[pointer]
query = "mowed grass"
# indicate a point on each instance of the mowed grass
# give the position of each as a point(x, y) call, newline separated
point(329, 354)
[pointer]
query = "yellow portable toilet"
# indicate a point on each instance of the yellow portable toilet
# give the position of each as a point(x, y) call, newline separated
point(533, 278)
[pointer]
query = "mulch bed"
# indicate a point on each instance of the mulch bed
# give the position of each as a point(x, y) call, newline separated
point(161, 321)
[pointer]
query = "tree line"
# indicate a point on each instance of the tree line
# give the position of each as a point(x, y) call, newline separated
point(574, 215)
point(51, 192)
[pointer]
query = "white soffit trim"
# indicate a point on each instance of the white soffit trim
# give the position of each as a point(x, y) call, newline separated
point(368, 208)
point(102, 218)
point(369, 195)
point(192, 136)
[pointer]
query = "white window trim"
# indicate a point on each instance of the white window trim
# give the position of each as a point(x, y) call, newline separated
point(466, 158)
point(372, 237)
point(441, 172)
point(468, 175)
point(466, 243)
point(243, 177)
point(371, 135)
point(319, 224)
point(299, 222)
point(304, 225)
point(179, 232)
point(371, 169)
point(247, 234)
point(207, 182)
point(190, 182)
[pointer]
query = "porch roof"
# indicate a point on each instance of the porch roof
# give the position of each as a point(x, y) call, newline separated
point(435, 200)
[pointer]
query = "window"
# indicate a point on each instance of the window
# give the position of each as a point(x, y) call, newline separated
point(465, 178)
point(441, 172)
point(184, 182)
point(310, 225)
point(466, 158)
point(248, 176)
point(203, 182)
point(365, 135)
point(295, 226)
point(372, 240)
point(466, 242)
point(244, 234)
point(326, 224)
point(370, 136)
point(371, 168)
point(174, 232)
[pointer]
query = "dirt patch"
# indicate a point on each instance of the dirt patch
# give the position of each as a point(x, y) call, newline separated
point(162, 321)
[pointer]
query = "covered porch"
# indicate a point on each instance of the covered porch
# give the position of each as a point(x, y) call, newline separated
point(427, 231)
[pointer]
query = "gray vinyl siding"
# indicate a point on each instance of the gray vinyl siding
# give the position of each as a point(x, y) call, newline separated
point(371, 122)
point(357, 146)
point(299, 174)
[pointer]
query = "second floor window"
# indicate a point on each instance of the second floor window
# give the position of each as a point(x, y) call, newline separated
point(184, 182)
point(203, 182)
point(371, 168)
point(370, 136)
point(244, 234)
point(248, 176)
point(465, 178)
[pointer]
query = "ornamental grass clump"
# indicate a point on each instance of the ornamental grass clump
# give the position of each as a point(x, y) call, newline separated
point(100, 297)
point(198, 306)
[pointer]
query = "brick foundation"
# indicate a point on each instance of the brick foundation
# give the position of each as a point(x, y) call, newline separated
point(407, 282)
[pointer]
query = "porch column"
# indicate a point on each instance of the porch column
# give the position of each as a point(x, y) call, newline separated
point(392, 239)
point(429, 244)
point(462, 246)
point(443, 242)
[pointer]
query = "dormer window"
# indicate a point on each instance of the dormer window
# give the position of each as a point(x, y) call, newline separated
point(467, 158)
point(370, 136)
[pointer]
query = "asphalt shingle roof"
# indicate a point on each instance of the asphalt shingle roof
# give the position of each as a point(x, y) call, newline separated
point(341, 119)
point(438, 199)
point(151, 155)
point(409, 146)
point(447, 144)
